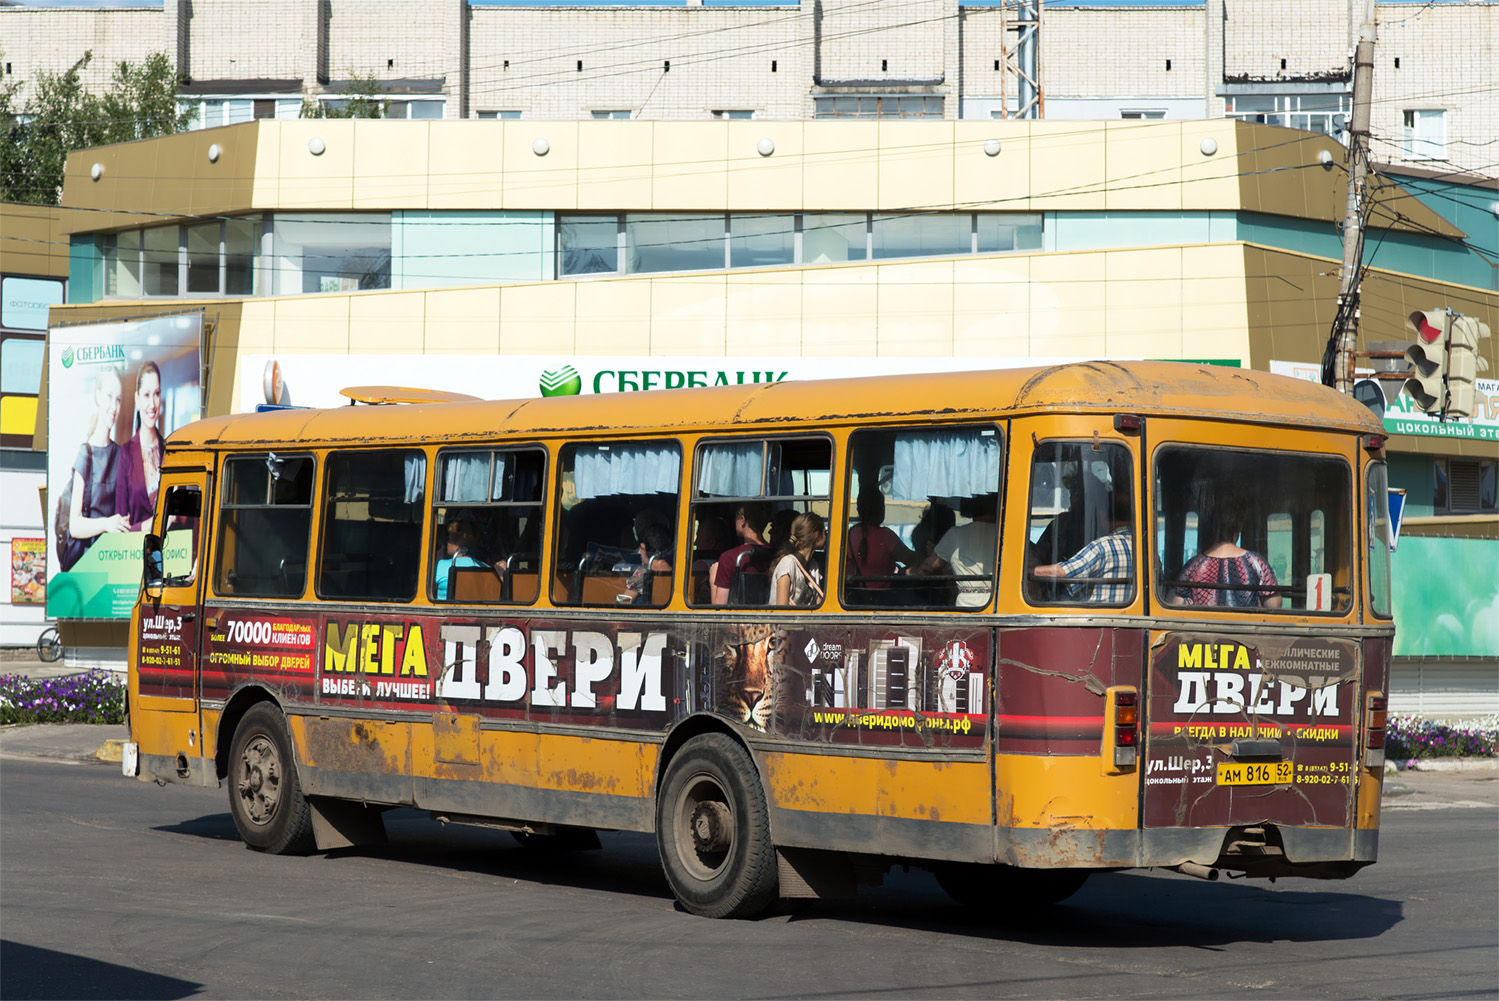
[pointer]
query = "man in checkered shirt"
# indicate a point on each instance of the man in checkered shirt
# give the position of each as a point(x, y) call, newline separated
point(1109, 557)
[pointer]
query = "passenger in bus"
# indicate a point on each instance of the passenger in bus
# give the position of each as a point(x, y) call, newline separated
point(1244, 576)
point(749, 523)
point(795, 579)
point(967, 553)
point(462, 538)
point(1110, 557)
point(874, 550)
point(780, 528)
point(655, 558)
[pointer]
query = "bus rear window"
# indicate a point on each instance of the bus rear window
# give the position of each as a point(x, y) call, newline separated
point(264, 525)
point(1252, 530)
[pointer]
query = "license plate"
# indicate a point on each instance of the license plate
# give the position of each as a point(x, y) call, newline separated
point(1267, 773)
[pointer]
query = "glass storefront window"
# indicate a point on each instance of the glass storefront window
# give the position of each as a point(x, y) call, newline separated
point(999, 232)
point(122, 264)
point(331, 252)
point(761, 240)
point(659, 242)
point(927, 235)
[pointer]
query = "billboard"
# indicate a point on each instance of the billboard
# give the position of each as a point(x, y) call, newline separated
point(115, 390)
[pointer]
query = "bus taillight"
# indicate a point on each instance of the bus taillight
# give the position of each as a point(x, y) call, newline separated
point(1122, 726)
point(1375, 714)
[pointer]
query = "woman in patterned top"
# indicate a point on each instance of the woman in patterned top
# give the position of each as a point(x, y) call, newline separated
point(1242, 576)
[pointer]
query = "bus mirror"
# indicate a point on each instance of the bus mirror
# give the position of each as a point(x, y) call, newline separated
point(155, 566)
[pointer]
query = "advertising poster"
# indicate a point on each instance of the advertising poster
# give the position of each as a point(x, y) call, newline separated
point(114, 392)
point(28, 571)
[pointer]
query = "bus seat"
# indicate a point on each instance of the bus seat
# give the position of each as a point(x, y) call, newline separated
point(750, 584)
point(473, 584)
point(602, 589)
point(523, 587)
point(660, 589)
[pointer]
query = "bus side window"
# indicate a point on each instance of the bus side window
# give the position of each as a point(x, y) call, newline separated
point(616, 526)
point(265, 524)
point(486, 526)
point(923, 508)
point(182, 513)
point(373, 508)
point(1082, 539)
point(747, 492)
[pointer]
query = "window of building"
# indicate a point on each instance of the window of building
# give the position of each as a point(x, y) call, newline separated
point(373, 508)
point(1425, 134)
point(831, 237)
point(748, 495)
point(733, 115)
point(501, 115)
point(619, 115)
point(427, 109)
point(878, 106)
point(486, 524)
point(159, 263)
point(331, 252)
point(1326, 113)
point(588, 244)
point(1465, 486)
point(996, 232)
point(1142, 115)
point(924, 234)
point(662, 242)
point(1081, 525)
point(213, 112)
point(617, 523)
point(208, 258)
point(759, 241)
point(264, 525)
point(922, 528)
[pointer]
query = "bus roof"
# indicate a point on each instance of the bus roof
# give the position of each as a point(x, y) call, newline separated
point(1154, 388)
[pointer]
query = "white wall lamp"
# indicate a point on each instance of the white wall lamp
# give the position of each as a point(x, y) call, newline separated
point(316, 146)
point(765, 146)
point(96, 171)
point(540, 146)
point(1209, 146)
point(214, 152)
point(991, 147)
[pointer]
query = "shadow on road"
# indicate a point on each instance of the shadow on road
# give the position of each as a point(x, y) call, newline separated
point(1113, 911)
point(27, 972)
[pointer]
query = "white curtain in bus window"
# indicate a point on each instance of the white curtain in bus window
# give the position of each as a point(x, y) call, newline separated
point(466, 478)
point(946, 464)
point(611, 470)
point(731, 469)
point(1245, 530)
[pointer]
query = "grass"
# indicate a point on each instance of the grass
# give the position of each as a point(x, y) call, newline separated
point(92, 697)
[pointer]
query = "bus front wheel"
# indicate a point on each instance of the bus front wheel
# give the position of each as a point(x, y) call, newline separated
point(983, 885)
point(713, 830)
point(265, 796)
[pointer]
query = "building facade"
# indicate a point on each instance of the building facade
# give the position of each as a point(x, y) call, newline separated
point(1285, 62)
point(482, 256)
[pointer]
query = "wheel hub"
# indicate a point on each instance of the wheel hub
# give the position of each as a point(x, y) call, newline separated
point(710, 825)
point(259, 784)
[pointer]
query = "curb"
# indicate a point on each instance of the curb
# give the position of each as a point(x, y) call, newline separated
point(112, 751)
point(1443, 765)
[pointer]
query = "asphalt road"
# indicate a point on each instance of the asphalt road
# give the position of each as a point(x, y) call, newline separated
point(111, 888)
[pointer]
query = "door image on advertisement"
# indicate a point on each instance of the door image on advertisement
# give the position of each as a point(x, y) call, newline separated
point(169, 626)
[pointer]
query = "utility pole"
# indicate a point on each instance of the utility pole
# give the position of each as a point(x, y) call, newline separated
point(1346, 334)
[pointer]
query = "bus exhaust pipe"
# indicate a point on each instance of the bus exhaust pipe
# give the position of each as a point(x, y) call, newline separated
point(1194, 869)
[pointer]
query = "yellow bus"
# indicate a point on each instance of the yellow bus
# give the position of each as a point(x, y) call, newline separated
point(1014, 626)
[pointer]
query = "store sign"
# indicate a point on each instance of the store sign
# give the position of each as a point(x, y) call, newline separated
point(1401, 416)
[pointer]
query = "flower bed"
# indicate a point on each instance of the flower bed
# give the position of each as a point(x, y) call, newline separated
point(93, 697)
point(1415, 737)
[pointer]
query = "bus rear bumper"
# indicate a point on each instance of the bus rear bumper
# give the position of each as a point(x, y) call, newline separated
point(1262, 850)
point(178, 769)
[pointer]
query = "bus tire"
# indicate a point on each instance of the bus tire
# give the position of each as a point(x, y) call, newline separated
point(713, 831)
point(265, 795)
point(984, 885)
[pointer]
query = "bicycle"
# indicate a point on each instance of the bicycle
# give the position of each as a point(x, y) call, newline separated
point(49, 646)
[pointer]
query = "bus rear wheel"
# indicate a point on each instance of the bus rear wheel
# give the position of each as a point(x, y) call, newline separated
point(983, 885)
point(265, 795)
point(713, 831)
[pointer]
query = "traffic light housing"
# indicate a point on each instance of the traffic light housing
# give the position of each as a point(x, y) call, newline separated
point(1464, 363)
point(1428, 357)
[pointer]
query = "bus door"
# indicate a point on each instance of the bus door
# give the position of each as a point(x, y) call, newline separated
point(1254, 681)
point(169, 619)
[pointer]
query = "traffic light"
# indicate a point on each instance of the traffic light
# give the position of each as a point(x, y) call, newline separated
point(1464, 363)
point(1428, 357)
